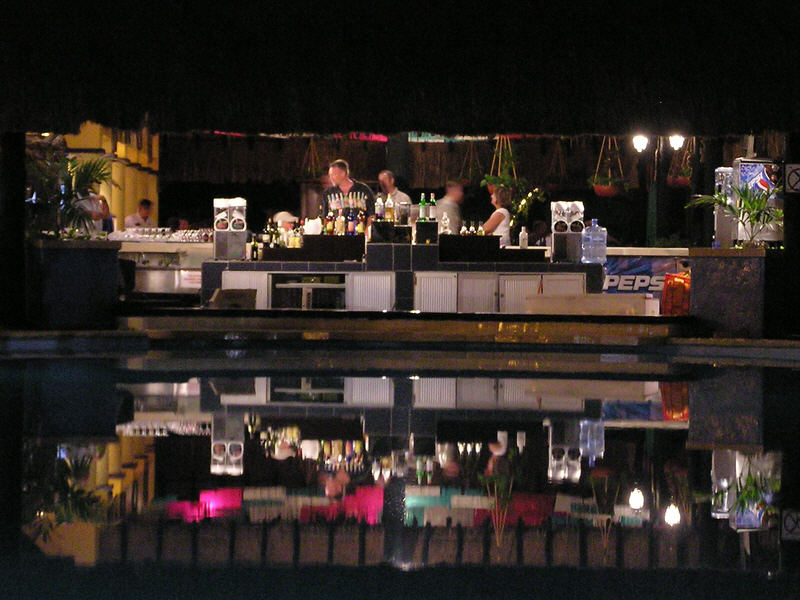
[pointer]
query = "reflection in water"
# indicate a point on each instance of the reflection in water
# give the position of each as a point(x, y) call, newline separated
point(550, 454)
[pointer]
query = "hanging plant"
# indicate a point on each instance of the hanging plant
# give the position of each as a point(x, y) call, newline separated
point(556, 178)
point(608, 180)
point(503, 173)
point(680, 167)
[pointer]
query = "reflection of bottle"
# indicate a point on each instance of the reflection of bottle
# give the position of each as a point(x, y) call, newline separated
point(420, 471)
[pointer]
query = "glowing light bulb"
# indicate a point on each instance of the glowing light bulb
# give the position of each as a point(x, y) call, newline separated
point(672, 516)
point(636, 499)
point(640, 142)
point(676, 141)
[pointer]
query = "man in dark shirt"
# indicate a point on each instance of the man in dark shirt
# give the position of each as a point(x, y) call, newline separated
point(343, 184)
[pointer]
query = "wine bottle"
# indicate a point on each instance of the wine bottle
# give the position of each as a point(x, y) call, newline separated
point(423, 208)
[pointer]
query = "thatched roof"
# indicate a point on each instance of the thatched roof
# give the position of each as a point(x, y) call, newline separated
point(471, 68)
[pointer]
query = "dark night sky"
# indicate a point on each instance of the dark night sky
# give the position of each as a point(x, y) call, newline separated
point(559, 67)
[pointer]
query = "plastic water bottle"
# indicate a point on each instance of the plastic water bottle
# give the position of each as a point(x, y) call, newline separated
point(593, 243)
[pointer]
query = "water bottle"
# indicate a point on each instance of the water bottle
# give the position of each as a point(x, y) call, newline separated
point(593, 243)
point(523, 238)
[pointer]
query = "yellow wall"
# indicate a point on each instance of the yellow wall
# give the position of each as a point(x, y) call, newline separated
point(134, 173)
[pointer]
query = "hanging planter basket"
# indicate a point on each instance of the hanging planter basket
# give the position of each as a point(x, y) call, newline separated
point(609, 178)
point(679, 175)
point(609, 190)
point(556, 179)
point(681, 181)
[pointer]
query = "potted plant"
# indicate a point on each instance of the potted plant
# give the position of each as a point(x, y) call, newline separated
point(752, 210)
point(729, 285)
point(608, 180)
point(682, 179)
point(72, 271)
point(607, 187)
point(755, 494)
point(53, 491)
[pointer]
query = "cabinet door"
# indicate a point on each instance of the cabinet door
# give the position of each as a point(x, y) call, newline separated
point(249, 280)
point(369, 291)
point(563, 284)
point(369, 391)
point(435, 392)
point(514, 291)
point(436, 292)
point(476, 393)
point(477, 292)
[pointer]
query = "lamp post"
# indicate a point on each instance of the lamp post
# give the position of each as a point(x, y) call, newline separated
point(654, 182)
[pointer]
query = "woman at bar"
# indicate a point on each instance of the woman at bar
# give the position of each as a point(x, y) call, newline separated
point(500, 221)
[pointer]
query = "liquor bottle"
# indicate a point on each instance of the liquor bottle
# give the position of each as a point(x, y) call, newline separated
point(523, 238)
point(432, 208)
point(472, 228)
point(464, 230)
point(329, 223)
point(360, 222)
point(253, 248)
point(266, 236)
point(379, 208)
point(444, 227)
point(352, 217)
point(423, 208)
point(480, 230)
point(339, 226)
point(388, 208)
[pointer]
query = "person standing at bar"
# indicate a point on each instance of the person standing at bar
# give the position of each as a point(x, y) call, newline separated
point(450, 205)
point(389, 188)
point(500, 221)
point(141, 218)
point(342, 183)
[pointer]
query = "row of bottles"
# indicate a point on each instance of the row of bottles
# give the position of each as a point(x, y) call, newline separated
point(336, 455)
point(472, 230)
point(344, 222)
point(274, 236)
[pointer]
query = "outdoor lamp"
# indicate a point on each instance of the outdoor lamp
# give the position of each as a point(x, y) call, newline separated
point(672, 516)
point(676, 141)
point(636, 499)
point(640, 142)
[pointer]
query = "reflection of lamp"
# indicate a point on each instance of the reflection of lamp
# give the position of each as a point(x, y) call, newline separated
point(636, 499)
point(676, 141)
point(640, 143)
point(672, 516)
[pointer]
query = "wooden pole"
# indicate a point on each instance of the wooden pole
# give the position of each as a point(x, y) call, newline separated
point(12, 229)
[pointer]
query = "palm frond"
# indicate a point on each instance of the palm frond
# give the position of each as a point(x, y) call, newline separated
point(86, 174)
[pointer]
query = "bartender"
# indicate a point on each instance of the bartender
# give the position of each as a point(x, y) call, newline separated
point(141, 218)
point(342, 183)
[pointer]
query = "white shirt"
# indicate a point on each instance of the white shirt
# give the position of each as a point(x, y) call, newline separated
point(92, 205)
point(135, 220)
point(504, 228)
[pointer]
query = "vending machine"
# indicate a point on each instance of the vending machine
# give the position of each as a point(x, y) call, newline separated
point(758, 174)
point(230, 228)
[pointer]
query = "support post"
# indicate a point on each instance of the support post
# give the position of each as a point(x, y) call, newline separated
point(12, 229)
